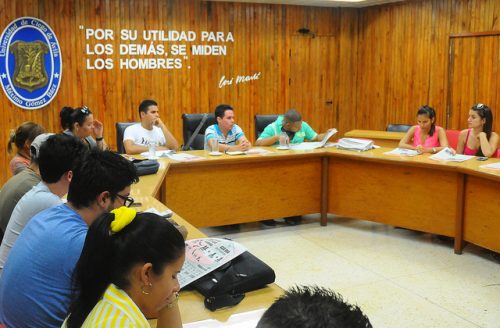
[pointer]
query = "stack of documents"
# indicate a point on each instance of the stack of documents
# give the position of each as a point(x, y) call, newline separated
point(448, 155)
point(355, 144)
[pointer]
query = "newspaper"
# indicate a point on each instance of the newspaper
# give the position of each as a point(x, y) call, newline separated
point(205, 255)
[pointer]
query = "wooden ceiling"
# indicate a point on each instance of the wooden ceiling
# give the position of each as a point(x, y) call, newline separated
point(319, 3)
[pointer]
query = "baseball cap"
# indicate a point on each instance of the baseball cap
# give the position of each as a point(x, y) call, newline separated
point(37, 143)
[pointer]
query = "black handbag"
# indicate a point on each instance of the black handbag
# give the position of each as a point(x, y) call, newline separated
point(226, 286)
point(145, 167)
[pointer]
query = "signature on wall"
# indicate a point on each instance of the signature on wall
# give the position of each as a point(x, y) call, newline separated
point(224, 81)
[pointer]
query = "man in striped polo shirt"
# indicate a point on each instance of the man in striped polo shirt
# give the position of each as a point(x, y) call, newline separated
point(229, 135)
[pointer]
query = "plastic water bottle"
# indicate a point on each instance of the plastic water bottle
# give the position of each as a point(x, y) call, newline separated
point(284, 140)
point(152, 150)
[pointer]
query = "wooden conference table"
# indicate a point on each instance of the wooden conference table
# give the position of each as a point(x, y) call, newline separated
point(459, 200)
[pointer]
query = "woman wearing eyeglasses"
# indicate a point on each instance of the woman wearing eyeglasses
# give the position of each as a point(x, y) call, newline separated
point(127, 272)
point(478, 139)
point(80, 122)
point(426, 136)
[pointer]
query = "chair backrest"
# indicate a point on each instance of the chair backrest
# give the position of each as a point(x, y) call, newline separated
point(398, 127)
point(120, 129)
point(261, 121)
point(452, 136)
point(190, 122)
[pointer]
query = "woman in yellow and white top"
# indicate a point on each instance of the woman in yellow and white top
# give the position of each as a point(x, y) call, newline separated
point(128, 272)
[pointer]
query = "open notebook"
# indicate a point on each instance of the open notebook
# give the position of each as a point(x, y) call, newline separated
point(315, 144)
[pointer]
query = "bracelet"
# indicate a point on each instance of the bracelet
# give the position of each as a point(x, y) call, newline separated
point(99, 139)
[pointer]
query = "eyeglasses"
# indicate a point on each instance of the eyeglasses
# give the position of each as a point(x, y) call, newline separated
point(127, 200)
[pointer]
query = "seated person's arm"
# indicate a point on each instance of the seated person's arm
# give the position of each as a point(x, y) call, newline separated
point(443, 141)
point(169, 318)
point(461, 141)
point(488, 147)
point(269, 141)
point(171, 142)
point(132, 148)
point(268, 137)
point(243, 144)
point(405, 142)
point(310, 134)
point(98, 128)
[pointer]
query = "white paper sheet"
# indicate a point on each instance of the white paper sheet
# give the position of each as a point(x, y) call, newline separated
point(402, 152)
point(491, 166)
point(238, 320)
point(447, 155)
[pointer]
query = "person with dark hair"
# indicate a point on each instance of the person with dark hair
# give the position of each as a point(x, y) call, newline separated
point(56, 159)
point(478, 139)
point(128, 272)
point(291, 123)
point(36, 282)
point(137, 137)
point(313, 307)
point(22, 137)
point(80, 122)
point(20, 184)
point(229, 135)
point(426, 136)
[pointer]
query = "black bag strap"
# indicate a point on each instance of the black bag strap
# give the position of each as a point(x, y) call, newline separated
point(195, 133)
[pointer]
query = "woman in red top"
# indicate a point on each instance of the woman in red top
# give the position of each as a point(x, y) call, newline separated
point(426, 136)
point(478, 139)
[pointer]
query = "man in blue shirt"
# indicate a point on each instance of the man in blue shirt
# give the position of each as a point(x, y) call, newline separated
point(229, 135)
point(36, 283)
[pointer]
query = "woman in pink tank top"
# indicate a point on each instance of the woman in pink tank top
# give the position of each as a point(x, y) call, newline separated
point(478, 139)
point(426, 136)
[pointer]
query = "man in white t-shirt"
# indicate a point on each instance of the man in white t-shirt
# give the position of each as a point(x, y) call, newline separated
point(151, 129)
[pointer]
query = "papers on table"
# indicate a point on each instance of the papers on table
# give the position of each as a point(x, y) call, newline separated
point(316, 144)
point(205, 255)
point(237, 152)
point(238, 320)
point(402, 152)
point(354, 144)
point(447, 155)
point(256, 151)
point(183, 157)
point(159, 153)
point(492, 166)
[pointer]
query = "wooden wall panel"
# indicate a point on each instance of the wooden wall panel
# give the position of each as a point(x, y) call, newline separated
point(403, 57)
point(386, 60)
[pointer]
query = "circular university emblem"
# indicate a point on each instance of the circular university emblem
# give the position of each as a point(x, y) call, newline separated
point(30, 63)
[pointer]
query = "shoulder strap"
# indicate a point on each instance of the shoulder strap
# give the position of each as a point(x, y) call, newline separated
point(195, 133)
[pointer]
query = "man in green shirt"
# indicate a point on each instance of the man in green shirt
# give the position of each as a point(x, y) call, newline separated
point(291, 123)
